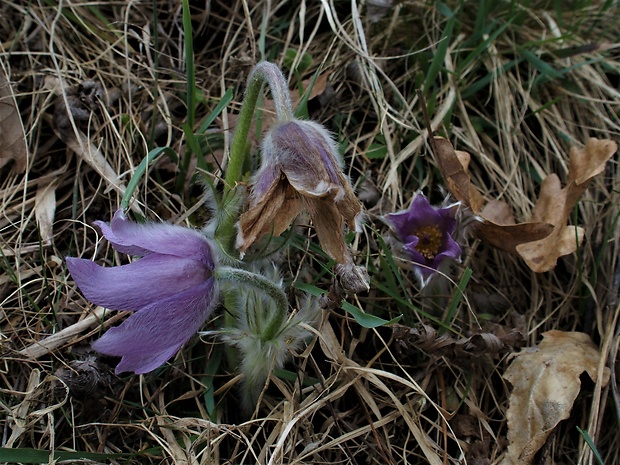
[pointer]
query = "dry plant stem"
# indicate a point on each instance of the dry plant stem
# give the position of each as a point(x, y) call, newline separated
point(49, 344)
point(596, 412)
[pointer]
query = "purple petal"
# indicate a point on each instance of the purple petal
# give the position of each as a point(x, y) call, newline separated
point(417, 258)
point(264, 180)
point(422, 210)
point(402, 225)
point(141, 283)
point(306, 154)
point(142, 239)
point(147, 339)
point(450, 249)
point(421, 213)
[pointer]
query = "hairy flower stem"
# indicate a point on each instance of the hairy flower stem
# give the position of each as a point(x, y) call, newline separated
point(262, 72)
point(262, 284)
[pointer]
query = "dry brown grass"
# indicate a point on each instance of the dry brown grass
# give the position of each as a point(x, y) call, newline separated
point(376, 397)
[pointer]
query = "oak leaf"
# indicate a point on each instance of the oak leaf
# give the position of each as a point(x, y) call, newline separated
point(546, 237)
point(545, 385)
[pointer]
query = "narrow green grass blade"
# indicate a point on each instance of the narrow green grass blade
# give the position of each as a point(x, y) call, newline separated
point(482, 47)
point(190, 72)
point(591, 445)
point(211, 371)
point(542, 66)
point(26, 455)
point(440, 54)
point(485, 81)
point(141, 169)
point(224, 101)
point(192, 140)
point(394, 272)
point(458, 296)
point(302, 107)
point(363, 318)
point(190, 91)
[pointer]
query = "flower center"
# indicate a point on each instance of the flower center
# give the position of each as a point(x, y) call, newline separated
point(430, 239)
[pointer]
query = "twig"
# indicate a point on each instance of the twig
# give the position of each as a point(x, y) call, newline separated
point(47, 345)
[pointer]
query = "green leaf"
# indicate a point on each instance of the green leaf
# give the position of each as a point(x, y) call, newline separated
point(141, 169)
point(211, 371)
point(302, 66)
point(376, 151)
point(591, 445)
point(363, 318)
point(27, 455)
point(457, 296)
point(225, 100)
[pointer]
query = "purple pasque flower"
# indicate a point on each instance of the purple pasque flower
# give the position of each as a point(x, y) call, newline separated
point(171, 289)
point(301, 170)
point(426, 233)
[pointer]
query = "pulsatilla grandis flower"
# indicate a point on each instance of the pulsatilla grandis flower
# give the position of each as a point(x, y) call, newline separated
point(300, 170)
point(171, 289)
point(426, 234)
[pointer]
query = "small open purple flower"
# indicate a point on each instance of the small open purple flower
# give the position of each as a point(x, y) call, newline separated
point(171, 289)
point(426, 233)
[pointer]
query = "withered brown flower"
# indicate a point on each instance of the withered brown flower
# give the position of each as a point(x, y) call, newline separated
point(301, 170)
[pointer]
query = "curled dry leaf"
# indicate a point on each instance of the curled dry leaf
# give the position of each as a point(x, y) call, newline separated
point(45, 209)
point(491, 340)
point(546, 237)
point(555, 204)
point(12, 142)
point(545, 385)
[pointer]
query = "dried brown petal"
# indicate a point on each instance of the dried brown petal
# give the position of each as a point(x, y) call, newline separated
point(271, 214)
point(12, 141)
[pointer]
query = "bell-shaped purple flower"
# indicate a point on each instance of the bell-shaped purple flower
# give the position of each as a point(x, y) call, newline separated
point(171, 289)
point(426, 234)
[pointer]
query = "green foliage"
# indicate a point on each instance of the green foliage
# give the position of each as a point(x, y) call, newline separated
point(591, 445)
point(361, 317)
point(302, 64)
point(27, 455)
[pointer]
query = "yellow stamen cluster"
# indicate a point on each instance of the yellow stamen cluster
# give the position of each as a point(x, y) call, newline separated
point(430, 242)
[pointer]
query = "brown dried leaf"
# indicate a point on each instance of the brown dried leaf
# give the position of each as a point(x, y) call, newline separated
point(453, 167)
point(45, 210)
point(493, 339)
point(319, 87)
point(541, 241)
point(12, 137)
point(553, 206)
point(586, 163)
point(545, 385)
point(500, 229)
